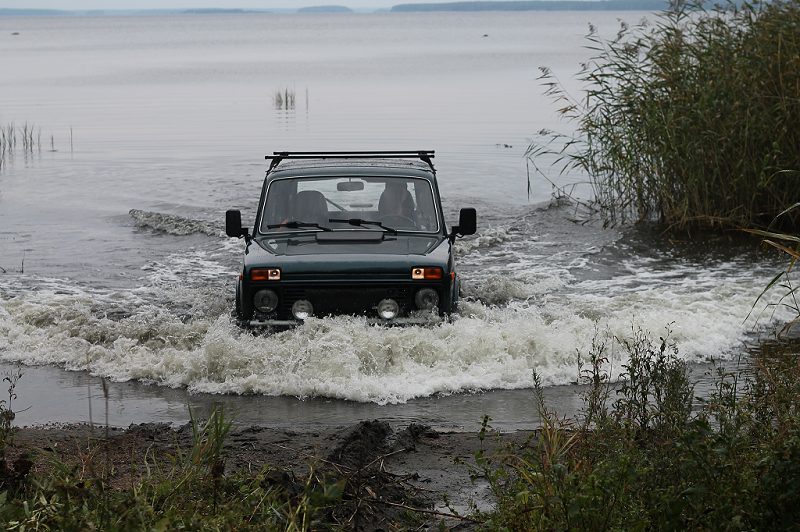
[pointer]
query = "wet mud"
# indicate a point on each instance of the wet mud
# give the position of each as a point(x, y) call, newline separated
point(390, 471)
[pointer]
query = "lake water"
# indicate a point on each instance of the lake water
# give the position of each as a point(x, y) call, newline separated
point(147, 129)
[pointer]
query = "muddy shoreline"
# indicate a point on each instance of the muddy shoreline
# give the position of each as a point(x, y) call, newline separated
point(390, 469)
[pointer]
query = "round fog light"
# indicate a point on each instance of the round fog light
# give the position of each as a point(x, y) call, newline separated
point(426, 298)
point(302, 309)
point(388, 309)
point(266, 300)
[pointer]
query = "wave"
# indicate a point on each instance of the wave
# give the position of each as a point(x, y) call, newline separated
point(183, 335)
point(491, 237)
point(175, 225)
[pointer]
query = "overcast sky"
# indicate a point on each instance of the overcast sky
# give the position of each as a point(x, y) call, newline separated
point(69, 5)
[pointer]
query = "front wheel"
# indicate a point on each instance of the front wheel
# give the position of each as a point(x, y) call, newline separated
point(454, 291)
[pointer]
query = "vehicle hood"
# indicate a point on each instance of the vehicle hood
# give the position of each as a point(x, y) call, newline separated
point(389, 244)
point(306, 253)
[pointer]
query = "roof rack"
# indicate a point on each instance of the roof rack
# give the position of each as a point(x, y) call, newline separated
point(423, 155)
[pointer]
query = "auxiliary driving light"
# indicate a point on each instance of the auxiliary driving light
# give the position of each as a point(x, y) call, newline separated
point(302, 309)
point(273, 274)
point(426, 298)
point(426, 273)
point(266, 300)
point(388, 309)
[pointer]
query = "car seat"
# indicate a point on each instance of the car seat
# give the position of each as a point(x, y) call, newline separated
point(310, 206)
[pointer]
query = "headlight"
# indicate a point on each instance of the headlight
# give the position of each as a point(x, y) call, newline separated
point(302, 309)
point(266, 300)
point(426, 298)
point(388, 309)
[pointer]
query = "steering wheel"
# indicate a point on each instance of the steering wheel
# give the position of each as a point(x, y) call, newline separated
point(397, 219)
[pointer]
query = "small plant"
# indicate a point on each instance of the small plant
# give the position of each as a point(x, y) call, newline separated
point(597, 379)
point(7, 429)
point(655, 389)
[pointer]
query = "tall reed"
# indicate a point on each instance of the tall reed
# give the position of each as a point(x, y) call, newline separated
point(29, 135)
point(8, 136)
point(284, 99)
point(693, 120)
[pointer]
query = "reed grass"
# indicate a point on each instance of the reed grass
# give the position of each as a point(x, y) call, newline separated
point(693, 120)
point(29, 135)
point(284, 99)
point(789, 299)
point(8, 136)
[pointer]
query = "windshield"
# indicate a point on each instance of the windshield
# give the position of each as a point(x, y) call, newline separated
point(346, 203)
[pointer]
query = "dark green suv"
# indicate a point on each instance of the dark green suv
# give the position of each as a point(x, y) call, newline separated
point(358, 233)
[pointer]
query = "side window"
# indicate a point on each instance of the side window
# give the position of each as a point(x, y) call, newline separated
point(276, 210)
point(425, 213)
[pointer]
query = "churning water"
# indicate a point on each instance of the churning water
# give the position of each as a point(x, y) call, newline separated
point(147, 129)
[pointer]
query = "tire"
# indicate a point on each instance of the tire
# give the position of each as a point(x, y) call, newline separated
point(244, 307)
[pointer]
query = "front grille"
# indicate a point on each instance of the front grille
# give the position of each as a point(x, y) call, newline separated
point(346, 300)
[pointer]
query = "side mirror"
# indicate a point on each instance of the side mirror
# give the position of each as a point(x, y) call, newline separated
point(233, 224)
point(467, 223)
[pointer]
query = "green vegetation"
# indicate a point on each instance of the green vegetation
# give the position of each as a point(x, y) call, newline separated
point(783, 281)
point(646, 462)
point(7, 415)
point(186, 490)
point(645, 457)
point(693, 121)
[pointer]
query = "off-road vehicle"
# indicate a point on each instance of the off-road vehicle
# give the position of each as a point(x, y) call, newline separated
point(358, 233)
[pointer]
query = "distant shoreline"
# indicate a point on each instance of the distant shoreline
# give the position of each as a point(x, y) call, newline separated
point(540, 5)
point(518, 5)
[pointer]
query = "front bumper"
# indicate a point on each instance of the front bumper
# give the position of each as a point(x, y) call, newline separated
point(432, 319)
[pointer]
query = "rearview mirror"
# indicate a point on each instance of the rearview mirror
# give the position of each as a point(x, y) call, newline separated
point(349, 186)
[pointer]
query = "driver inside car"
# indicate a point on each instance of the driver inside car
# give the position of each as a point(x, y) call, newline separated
point(396, 201)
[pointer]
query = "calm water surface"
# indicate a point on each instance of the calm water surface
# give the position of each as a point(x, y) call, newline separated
point(147, 129)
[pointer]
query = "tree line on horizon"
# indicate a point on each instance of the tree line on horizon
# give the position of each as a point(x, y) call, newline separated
point(539, 5)
point(513, 5)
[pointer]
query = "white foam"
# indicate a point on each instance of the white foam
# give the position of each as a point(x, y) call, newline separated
point(175, 225)
point(490, 237)
point(487, 346)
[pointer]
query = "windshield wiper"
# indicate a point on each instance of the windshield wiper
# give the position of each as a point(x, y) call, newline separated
point(361, 222)
point(297, 225)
